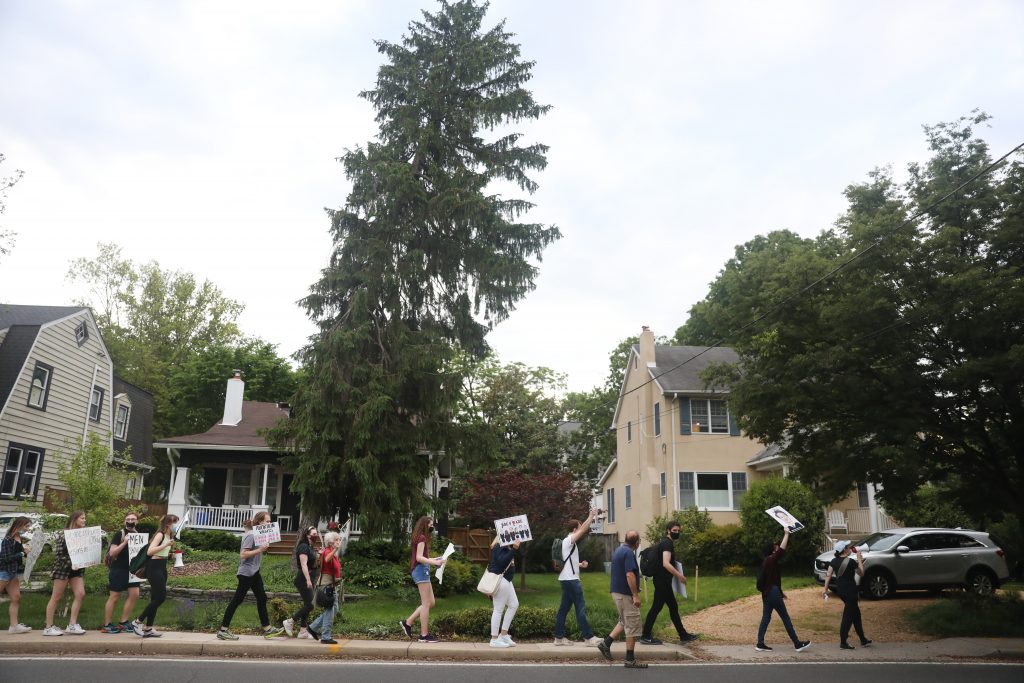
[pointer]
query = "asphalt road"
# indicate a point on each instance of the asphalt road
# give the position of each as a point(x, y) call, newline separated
point(86, 670)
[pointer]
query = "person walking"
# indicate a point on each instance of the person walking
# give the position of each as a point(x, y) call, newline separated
point(330, 575)
point(118, 578)
point(664, 596)
point(419, 566)
point(249, 578)
point(625, 589)
point(62, 576)
point(503, 561)
point(13, 551)
point(306, 562)
point(158, 550)
point(572, 588)
point(844, 571)
point(772, 597)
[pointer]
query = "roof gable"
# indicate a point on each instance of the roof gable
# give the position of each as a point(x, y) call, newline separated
point(256, 417)
point(16, 314)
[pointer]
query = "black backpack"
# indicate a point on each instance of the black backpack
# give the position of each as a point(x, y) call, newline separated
point(650, 560)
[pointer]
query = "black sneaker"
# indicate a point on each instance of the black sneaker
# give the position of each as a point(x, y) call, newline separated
point(328, 641)
point(761, 647)
point(606, 651)
point(429, 638)
point(650, 640)
point(803, 645)
point(689, 638)
point(313, 632)
point(633, 664)
point(406, 628)
point(865, 643)
point(846, 646)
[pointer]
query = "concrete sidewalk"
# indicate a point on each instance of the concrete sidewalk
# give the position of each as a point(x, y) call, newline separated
point(945, 648)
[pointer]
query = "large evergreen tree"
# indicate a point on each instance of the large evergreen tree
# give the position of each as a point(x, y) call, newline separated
point(427, 257)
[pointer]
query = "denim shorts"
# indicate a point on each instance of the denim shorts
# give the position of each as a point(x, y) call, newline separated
point(8, 576)
point(421, 573)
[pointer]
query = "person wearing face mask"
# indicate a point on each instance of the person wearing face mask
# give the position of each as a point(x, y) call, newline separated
point(419, 565)
point(664, 596)
point(118, 579)
point(772, 596)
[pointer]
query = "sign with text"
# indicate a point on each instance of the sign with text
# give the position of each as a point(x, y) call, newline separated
point(267, 533)
point(85, 546)
point(788, 521)
point(137, 543)
point(512, 529)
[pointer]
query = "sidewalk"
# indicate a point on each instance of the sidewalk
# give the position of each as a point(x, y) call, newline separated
point(945, 648)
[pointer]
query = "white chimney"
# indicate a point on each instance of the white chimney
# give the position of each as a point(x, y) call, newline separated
point(233, 400)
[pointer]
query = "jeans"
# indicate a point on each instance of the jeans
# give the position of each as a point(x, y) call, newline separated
point(504, 597)
point(664, 596)
point(572, 595)
point(254, 582)
point(774, 601)
point(302, 614)
point(156, 573)
point(325, 622)
point(851, 616)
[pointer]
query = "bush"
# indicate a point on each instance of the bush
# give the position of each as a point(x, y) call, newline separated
point(211, 540)
point(734, 570)
point(386, 551)
point(691, 522)
point(529, 622)
point(930, 506)
point(593, 551)
point(759, 528)
point(718, 547)
point(148, 525)
point(372, 573)
point(460, 576)
point(971, 615)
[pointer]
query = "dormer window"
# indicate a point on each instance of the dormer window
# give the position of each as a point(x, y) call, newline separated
point(39, 389)
point(82, 333)
point(96, 404)
point(121, 421)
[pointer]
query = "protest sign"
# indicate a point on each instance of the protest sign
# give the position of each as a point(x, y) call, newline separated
point(137, 543)
point(788, 521)
point(512, 529)
point(180, 525)
point(84, 546)
point(267, 533)
point(439, 573)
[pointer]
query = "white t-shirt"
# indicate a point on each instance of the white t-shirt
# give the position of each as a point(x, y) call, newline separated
point(571, 568)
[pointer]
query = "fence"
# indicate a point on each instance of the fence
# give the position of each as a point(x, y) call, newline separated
point(474, 543)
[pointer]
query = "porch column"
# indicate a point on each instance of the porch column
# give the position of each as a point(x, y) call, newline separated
point(872, 508)
point(263, 495)
point(177, 500)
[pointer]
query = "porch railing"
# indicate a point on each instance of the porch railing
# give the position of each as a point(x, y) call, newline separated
point(859, 521)
point(222, 518)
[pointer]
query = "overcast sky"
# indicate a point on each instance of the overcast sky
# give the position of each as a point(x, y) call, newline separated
point(204, 135)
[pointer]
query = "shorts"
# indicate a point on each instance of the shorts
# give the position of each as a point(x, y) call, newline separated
point(66, 573)
point(118, 581)
point(421, 573)
point(8, 576)
point(629, 614)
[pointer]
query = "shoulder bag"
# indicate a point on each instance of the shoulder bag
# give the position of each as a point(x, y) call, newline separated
point(490, 581)
point(324, 594)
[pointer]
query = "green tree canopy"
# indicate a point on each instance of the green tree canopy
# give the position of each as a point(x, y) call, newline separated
point(427, 257)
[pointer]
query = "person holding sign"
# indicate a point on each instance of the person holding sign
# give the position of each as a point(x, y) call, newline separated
point(505, 600)
point(118, 578)
point(13, 551)
point(418, 565)
point(664, 596)
point(156, 571)
point(572, 589)
point(249, 579)
point(62, 575)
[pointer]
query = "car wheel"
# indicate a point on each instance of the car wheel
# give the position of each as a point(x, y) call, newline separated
point(981, 582)
point(879, 585)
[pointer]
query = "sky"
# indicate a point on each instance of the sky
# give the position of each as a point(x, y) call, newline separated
point(205, 136)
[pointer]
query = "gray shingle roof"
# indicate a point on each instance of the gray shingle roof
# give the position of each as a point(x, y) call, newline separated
point(16, 314)
point(679, 368)
point(13, 352)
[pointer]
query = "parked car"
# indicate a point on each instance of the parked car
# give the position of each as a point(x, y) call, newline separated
point(922, 558)
point(37, 521)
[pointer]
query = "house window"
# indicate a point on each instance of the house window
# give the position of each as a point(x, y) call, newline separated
point(657, 419)
point(272, 486)
point(687, 497)
point(96, 404)
point(21, 471)
point(664, 487)
point(129, 487)
point(629, 496)
point(82, 333)
point(609, 495)
point(862, 495)
point(739, 488)
point(712, 490)
point(121, 423)
point(241, 480)
point(629, 431)
point(709, 416)
point(40, 387)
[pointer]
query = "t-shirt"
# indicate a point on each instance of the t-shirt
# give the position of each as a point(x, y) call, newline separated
point(305, 549)
point(848, 581)
point(249, 565)
point(571, 568)
point(331, 567)
point(623, 561)
point(121, 561)
point(426, 550)
point(771, 572)
point(665, 544)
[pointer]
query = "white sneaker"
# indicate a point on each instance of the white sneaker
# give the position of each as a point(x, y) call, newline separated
point(507, 639)
point(289, 627)
point(53, 631)
point(151, 633)
point(304, 634)
point(139, 629)
point(563, 641)
point(498, 642)
point(19, 628)
point(593, 641)
point(74, 630)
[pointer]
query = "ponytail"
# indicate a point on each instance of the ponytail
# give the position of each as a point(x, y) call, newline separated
point(259, 518)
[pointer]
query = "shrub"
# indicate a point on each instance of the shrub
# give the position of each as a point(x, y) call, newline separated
point(529, 622)
point(931, 506)
point(735, 570)
point(374, 574)
point(593, 551)
point(147, 525)
point(210, 540)
point(387, 551)
point(971, 615)
point(717, 547)
point(691, 522)
point(460, 576)
point(759, 528)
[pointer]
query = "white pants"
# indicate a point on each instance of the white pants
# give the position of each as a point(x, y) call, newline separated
point(505, 600)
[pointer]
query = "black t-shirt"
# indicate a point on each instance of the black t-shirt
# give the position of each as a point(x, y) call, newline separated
point(665, 545)
point(305, 549)
point(121, 561)
point(847, 581)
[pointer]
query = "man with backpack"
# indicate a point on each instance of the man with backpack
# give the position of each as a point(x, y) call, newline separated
point(663, 558)
point(769, 582)
point(569, 579)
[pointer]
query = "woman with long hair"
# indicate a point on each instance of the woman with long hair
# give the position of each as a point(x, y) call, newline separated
point(306, 559)
point(13, 551)
point(330, 575)
point(249, 578)
point(63, 575)
point(156, 572)
point(419, 565)
point(503, 561)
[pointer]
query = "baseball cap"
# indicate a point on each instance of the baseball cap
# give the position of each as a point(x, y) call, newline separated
point(841, 546)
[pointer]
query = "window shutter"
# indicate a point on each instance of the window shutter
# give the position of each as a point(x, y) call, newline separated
point(684, 416)
point(734, 426)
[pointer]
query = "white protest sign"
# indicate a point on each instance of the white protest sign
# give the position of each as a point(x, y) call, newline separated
point(439, 573)
point(678, 587)
point(788, 521)
point(137, 543)
point(84, 546)
point(179, 525)
point(512, 529)
point(267, 533)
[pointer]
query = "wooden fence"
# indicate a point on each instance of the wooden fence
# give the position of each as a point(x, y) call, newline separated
point(475, 544)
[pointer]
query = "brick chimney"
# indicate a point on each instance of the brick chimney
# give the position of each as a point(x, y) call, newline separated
point(233, 400)
point(646, 346)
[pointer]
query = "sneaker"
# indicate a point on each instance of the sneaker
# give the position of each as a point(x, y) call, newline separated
point(405, 627)
point(313, 633)
point(289, 627)
point(846, 646)
point(689, 638)
point(593, 641)
point(125, 626)
point(633, 664)
point(329, 641)
point(273, 633)
point(563, 641)
point(606, 650)
point(74, 630)
point(650, 640)
point(19, 628)
point(498, 642)
point(508, 639)
point(53, 631)
point(139, 629)
point(865, 642)
point(151, 633)
point(110, 628)
point(804, 644)
point(222, 634)
point(304, 634)
point(429, 638)
point(761, 647)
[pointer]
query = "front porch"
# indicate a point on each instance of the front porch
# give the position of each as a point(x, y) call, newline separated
point(232, 493)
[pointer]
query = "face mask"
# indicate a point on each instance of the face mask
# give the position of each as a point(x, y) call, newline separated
point(430, 529)
point(674, 535)
point(129, 525)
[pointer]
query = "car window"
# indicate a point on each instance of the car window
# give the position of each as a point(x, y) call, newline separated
point(962, 541)
point(919, 542)
point(880, 541)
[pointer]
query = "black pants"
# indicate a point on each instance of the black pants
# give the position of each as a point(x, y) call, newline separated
point(255, 582)
point(851, 616)
point(663, 597)
point(156, 573)
point(306, 593)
